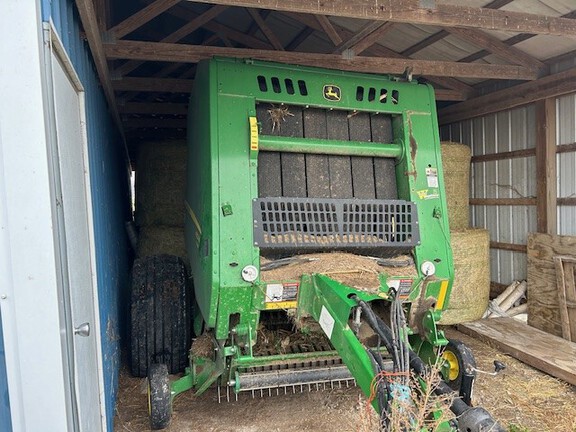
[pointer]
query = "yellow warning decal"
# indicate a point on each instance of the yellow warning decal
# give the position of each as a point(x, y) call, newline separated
point(281, 305)
point(253, 134)
point(442, 295)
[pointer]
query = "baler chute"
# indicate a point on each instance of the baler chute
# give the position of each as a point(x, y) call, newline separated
point(289, 161)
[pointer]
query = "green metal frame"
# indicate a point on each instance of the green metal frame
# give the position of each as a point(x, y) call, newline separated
point(222, 182)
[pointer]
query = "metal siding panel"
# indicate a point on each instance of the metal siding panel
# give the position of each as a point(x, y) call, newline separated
point(566, 108)
point(110, 195)
point(506, 265)
point(518, 129)
point(566, 163)
point(5, 416)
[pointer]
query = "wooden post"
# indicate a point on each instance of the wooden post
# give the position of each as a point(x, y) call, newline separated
point(546, 166)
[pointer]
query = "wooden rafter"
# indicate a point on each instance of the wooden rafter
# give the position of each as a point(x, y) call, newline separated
point(382, 51)
point(299, 39)
point(140, 18)
point(179, 34)
point(90, 25)
point(431, 40)
point(266, 30)
point(155, 51)
point(329, 29)
point(168, 85)
point(411, 11)
point(496, 46)
point(522, 94)
point(365, 38)
point(153, 108)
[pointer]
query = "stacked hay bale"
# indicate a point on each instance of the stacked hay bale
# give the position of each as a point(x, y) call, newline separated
point(160, 192)
point(470, 247)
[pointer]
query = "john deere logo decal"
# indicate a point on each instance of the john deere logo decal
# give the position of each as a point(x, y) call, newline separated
point(332, 93)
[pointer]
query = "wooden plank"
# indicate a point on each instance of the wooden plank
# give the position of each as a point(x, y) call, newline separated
point(329, 29)
point(504, 155)
point(496, 46)
point(543, 306)
point(153, 108)
point(299, 39)
point(266, 30)
point(570, 295)
point(179, 34)
point(508, 246)
point(340, 166)
point(566, 148)
point(425, 43)
point(503, 201)
point(566, 201)
point(93, 35)
point(317, 170)
point(522, 94)
point(168, 85)
point(141, 17)
point(371, 39)
point(563, 307)
point(550, 354)
point(363, 184)
point(411, 11)
point(365, 32)
point(546, 166)
point(382, 51)
point(157, 51)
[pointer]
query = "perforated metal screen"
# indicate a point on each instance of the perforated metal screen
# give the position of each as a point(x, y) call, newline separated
point(323, 223)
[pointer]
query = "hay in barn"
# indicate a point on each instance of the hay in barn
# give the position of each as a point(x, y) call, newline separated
point(456, 167)
point(161, 183)
point(357, 271)
point(471, 288)
point(155, 240)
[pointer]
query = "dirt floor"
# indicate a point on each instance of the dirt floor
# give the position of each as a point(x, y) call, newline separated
point(521, 398)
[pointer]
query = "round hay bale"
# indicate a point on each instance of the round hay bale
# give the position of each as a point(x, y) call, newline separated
point(156, 240)
point(471, 288)
point(456, 167)
point(161, 183)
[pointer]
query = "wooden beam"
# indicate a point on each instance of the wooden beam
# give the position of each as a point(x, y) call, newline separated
point(268, 33)
point(179, 34)
point(550, 86)
point(382, 51)
point(504, 155)
point(449, 95)
point(153, 108)
point(430, 40)
point(546, 166)
point(508, 247)
point(365, 37)
point(569, 201)
point(155, 51)
point(329, 29)
point(496, 46)
point(163, 85)
point(566, 148)
point(410, 11)
point(528, 344)
point(90, 25)
point(503, 201)
point(146, 123)
point(299, 39)
point(141, 17)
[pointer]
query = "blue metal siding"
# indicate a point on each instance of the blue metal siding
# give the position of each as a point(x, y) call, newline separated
point(5, 420)
point(109, 177)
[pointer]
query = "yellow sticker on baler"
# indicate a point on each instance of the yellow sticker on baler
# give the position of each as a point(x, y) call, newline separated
point(281, 295)
point(253, 134)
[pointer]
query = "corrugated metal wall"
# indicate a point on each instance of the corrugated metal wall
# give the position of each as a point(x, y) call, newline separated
point(566, 163)
point(110, 194)
point(516, 178)
point(511, 178)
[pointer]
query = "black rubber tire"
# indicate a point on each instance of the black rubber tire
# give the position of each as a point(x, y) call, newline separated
point(159, 396)
point(465, 360)
point(160, 314)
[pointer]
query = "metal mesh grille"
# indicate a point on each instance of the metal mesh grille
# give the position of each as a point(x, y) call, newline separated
point(322, 223)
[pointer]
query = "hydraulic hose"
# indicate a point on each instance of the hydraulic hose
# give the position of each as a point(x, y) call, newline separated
point(479, 417)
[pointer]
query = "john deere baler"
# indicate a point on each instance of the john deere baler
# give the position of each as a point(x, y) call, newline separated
point(287, 163)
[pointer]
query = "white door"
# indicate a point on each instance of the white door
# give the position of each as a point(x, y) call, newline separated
point(77, 249)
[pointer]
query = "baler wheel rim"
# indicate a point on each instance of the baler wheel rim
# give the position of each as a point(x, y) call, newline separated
point(460, 360)
point(453, 366)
